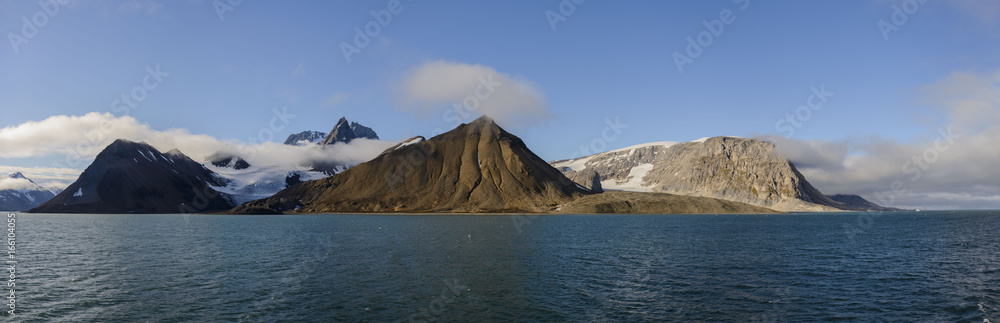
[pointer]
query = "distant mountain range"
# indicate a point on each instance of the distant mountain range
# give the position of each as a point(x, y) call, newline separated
point(131, 177)
point(343, 131)
point(475, 168)
point(19, 193)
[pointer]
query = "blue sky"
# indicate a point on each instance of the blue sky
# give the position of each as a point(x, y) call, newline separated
point(607, 60)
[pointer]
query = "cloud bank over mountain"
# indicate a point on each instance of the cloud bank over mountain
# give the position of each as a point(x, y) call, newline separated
point(458, 90)
point(952, 166)
point(80, 138)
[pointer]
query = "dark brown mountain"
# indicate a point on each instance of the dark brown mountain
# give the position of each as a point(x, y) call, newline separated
point(130, 177)
point(477, 167)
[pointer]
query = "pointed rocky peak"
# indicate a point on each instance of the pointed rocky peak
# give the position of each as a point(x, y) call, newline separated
point(19, 175)
point(175, 153)
point(341, 133)
point(482, 126)
point(484, 122)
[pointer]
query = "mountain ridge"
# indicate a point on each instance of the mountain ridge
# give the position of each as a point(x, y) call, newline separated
point(477, 167)
point(731, 168)
point(131, 177)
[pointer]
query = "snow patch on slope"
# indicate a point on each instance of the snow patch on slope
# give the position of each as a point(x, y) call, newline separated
point(648, 144)
point(633, 182)
point(578, 164)
point(410, 142)
point(707, 138)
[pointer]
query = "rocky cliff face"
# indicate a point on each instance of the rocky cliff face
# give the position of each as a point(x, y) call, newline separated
point(477, 167)
point(362, 131)
point(18, 193)
point(130, 177)
point(345, 131)
point(734, 169)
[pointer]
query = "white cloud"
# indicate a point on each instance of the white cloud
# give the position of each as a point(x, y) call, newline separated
point(94, 131)
point(935, 173)
point(7, 183)
point(48, 177)
point(463, 90)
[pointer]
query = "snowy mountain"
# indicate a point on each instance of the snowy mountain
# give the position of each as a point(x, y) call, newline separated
point(257, 182)
point(134, 177)
point(729, 168)
point(345, 131)
point(18, 193)
point(305, 138)
point(245, 181)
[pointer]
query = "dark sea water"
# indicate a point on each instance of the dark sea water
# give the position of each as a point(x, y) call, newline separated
point(927, 266)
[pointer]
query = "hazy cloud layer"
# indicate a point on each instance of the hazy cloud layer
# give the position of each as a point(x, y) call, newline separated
point(94, 131)
point(50, 178)
point(955, 166)
point(986, 11)
point(456, 90)
point(7, 183)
